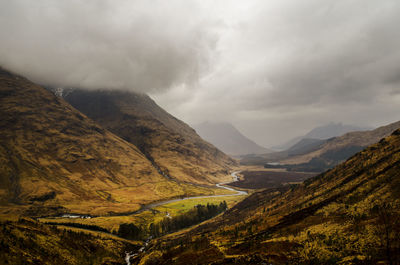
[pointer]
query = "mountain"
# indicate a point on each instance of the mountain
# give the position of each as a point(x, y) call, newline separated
point(227, 138)
point(347, 215)
point(332, 130)
point(305, 145)
point(320, 155)
point(337, 149)
point(172, 146)
point(322, 132)
point(55, 159)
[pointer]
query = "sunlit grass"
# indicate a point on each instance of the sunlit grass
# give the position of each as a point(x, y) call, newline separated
point(147, 217)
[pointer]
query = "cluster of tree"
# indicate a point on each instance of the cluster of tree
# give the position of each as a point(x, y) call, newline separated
point(194, 216)
point(169, 224)
point(83, 226)
point(131, 231)
point(387, 229)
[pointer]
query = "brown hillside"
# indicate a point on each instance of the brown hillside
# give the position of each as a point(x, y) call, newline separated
point(173, 147)
point(347, 215)
point(52, 155)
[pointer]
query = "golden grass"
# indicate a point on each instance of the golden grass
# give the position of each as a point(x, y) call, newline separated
point(144, 218)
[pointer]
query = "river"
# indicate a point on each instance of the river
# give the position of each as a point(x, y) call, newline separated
point(235, 178)
point(219, 185)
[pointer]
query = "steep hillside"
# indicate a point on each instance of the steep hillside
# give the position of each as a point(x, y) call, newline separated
point(347, 215)
point(172, 146)
point(55, 159)
point(227, 138)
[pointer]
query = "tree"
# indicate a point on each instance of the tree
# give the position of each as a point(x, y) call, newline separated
point(388, 231)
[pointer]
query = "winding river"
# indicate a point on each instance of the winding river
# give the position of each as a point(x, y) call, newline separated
point(235, 178)
point(129, 255)
point(219, 185)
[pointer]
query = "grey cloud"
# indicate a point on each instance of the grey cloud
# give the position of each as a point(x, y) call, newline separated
point(295, 65)
point(140, 45)
point(275, 68)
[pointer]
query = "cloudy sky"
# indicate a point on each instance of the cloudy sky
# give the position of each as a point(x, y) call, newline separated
point(275, 69)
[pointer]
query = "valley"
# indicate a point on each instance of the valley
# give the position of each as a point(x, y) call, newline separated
point(149, 213)
point(199, 132)
point(334, 218)
point(130, 184)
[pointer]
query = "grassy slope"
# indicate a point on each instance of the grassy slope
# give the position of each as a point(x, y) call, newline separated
point(51, 155)
point(170, 143)
point(28, 242)
point(327, 220)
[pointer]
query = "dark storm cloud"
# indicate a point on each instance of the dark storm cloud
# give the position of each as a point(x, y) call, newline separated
point(140, 45)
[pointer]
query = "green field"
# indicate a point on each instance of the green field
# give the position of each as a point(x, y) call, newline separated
point(149, 216)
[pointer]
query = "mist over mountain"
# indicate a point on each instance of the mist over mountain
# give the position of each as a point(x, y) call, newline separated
point(227, 138)
point(55, 159)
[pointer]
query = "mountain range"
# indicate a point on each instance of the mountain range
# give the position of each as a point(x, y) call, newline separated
point(322, 133)
point(173, 147)
point(320, 155)
point(55, 159)
point(229, 139)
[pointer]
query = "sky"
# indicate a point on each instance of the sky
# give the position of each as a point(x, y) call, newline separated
point(274, 69)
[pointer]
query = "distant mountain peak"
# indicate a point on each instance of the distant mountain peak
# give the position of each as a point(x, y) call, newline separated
point(323, 132)
point(228, 138)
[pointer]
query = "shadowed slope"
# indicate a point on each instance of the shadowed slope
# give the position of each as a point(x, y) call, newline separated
point(172, 146)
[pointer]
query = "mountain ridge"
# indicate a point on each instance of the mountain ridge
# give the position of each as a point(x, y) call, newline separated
point(323, 132)
point(54, 159)
point(324, 154)
point(171, 145)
